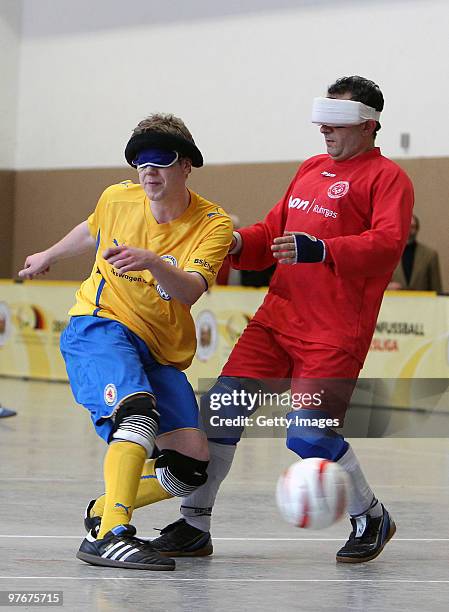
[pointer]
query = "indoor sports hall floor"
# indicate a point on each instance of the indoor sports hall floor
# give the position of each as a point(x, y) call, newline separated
point(51, 464)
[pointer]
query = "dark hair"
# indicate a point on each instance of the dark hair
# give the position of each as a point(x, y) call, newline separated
point(165, 124)
point(417, 223)
point(361, 90)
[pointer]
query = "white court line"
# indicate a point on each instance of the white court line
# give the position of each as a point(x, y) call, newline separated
point(396, 485)
point(251, 580)
point(407, 451)
point(323, 539)
point(241, 483)
point(80, 537)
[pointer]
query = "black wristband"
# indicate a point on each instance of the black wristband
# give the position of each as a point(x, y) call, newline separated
point(309, 249)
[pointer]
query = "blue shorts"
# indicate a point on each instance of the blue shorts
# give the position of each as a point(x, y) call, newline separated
point(106, 362)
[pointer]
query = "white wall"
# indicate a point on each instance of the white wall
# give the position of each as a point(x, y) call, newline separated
point(10, 22)
point(242, 81)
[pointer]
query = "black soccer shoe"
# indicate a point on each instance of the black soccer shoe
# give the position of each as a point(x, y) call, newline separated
point(179, 539)
point(368, 538)
point(91, 523)
point(120, 548)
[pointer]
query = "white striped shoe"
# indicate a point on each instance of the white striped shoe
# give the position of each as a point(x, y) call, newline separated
point(121, 548)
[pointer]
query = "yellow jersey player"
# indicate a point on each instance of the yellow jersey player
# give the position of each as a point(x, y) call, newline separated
point(158, 246)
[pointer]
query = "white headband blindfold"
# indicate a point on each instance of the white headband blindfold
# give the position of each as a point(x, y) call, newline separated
point(337, 112)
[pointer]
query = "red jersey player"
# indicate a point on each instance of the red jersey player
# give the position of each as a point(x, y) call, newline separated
point(337, 235)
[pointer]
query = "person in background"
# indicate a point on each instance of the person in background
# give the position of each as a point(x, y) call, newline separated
point(419, 268)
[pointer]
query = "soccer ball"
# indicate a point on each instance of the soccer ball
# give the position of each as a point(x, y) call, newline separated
point(313, 493)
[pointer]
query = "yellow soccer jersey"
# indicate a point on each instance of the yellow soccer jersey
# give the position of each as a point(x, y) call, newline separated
point(196, 241)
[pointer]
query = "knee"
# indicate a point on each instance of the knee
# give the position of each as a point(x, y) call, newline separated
point(307, 439)
point(191, 442)
point(180, 474)
point(230, 398)
point(136, 420)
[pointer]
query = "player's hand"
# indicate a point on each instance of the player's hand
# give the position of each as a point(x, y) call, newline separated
point(284, 248)
point(35, 265)
point(128, 259)
point(298, 247)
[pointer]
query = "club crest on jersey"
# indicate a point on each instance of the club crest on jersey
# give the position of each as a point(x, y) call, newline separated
point(338, 189)
point(110, 394)
point(173, 262)
point(170, 259)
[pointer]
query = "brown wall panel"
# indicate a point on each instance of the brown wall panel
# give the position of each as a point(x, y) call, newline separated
point(49, 203)
point(6, 221)
point(247, 190)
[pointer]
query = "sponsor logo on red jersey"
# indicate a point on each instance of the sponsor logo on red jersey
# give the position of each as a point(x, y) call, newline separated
point(298, 203)
point(308, 207)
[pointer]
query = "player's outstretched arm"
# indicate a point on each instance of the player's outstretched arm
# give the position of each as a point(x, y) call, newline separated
point(76, 242)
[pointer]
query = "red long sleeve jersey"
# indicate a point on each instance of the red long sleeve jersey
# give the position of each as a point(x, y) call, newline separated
point(361, 208)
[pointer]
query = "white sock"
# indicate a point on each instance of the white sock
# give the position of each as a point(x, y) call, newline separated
point(197, 507)
point(362, 500)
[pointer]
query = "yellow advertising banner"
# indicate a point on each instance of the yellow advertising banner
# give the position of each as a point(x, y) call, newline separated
point(220, 318)
point(408, 363)
point(410, 341)
point(32, 316)
point(411, 337)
